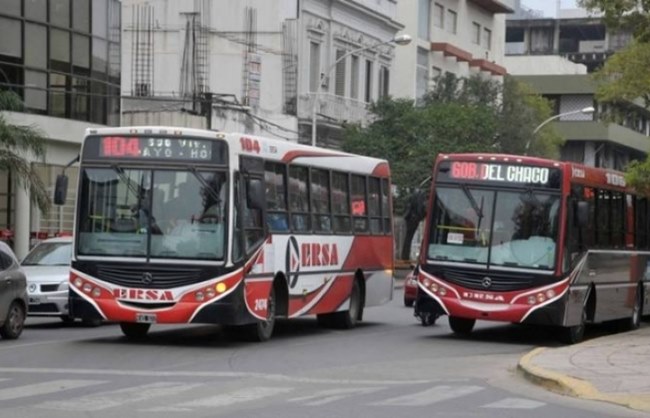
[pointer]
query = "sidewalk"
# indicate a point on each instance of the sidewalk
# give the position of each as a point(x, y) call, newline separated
point(614, 369)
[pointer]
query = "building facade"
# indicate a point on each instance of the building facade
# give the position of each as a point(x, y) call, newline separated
point(463, 37)
point(556, 57)
point(62, 57)
point(254, 66)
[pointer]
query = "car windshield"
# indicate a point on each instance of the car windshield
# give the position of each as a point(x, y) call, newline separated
point(152, 213)
point(500, 228)
point(49, 254)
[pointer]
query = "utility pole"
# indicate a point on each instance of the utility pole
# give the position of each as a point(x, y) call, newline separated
point(206, 108)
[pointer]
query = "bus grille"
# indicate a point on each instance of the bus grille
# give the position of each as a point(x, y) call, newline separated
point(501, 281)
point(161, 277)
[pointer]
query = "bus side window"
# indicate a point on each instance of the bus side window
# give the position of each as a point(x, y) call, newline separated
point(237, 252)
point(299, 198)
point(320, 200)
point(641, 220)
point(359, 205)
point(341, 202)
point(275, 177)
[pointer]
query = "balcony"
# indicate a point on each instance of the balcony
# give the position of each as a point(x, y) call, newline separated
point(334, 108)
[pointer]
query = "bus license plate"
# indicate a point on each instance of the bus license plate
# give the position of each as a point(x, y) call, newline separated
point(145, 318)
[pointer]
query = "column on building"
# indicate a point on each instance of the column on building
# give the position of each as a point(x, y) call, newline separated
point(22, 220)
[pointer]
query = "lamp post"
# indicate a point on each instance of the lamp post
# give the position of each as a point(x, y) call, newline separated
point(586, 110)
point(398, 40)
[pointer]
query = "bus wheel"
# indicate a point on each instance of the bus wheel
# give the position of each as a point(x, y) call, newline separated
point(575, 333)
point(461, 326)
point(262, 330)
point(348, 319)
point(14, 322)
point(134, 330)
point(634, 321)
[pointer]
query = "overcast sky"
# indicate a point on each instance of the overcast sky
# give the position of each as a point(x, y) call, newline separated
point(548, 7)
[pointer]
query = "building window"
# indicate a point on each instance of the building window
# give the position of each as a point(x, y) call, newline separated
point(36, 90)
point(314, 66)
point(487, 38)
point(60, 13)
point(476, 33)
point(10, 7)
point(81, 15)
point(384, 80)
point(11, 44)
point(438, 16)
point(368, 91)
point(354, 77)
point(422, 74)
point(424, 11)
point(36, 38)
point(339, 87)
point(452, 21)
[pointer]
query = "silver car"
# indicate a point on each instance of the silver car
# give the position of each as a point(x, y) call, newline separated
point(13, 295)
point(47, 267)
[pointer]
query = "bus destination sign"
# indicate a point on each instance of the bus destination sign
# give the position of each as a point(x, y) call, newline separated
point(155, 148)
point(499, 173)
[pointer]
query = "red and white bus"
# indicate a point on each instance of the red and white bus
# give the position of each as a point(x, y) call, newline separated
point(179, 225)
point(533, 241)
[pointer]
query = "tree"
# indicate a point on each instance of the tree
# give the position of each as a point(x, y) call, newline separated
point(16, 142)
point(458, 115)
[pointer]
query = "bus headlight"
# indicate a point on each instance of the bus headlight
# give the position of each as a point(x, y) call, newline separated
point(97, 292)
point(199, 296)
point(220, 287)
point(540, 297)
point(442, 291)
point(550, 293)
point(531, 300)
point(78, 282)
point(87, 287)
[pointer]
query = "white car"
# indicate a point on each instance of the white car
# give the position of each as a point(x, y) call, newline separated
point(47, 267)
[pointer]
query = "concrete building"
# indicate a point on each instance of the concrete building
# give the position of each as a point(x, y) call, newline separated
point(254, 65)
point(555, 56)
point(463, 37)
point(62, 58)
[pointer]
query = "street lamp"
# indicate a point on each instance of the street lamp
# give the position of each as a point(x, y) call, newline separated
point(397, 40)
point(586, 111)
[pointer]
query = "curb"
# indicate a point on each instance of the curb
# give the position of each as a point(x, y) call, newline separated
point(577, 388)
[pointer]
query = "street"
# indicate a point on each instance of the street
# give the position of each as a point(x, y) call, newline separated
point(389, 366)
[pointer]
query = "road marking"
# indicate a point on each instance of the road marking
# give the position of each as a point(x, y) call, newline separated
point(45, 388)
point(332, 395)
point(110, 399)
point(238, 396)
point(430, 396)
point(515, 403)
point(216, 374)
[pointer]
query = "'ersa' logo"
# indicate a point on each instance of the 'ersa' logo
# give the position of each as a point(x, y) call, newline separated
point(487, 297)
point(151, 295)
point(308, 255)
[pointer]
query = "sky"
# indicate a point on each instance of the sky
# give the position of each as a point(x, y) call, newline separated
point(548, 7)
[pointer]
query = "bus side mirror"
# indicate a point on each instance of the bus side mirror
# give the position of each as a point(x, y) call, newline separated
point(582, 214)
point(255, 196)
point(60, 189)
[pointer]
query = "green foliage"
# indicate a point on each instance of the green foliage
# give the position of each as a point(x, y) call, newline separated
point(638, 176)
point(17, 142)
point(633, 15)
point(459, 115)
point(625, 75)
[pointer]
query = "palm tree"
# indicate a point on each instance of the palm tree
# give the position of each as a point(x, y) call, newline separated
point(15, 143)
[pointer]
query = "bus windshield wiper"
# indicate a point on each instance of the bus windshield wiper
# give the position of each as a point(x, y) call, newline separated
point(472, 201)
point(205, 184)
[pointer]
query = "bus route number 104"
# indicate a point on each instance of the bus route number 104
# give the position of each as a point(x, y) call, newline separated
point(250, 145)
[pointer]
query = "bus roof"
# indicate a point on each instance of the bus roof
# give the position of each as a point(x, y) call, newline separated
point(286, 151)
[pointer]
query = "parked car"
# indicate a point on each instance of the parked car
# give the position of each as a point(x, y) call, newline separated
point(410, 288)
point(13, 294)
point(47, 267)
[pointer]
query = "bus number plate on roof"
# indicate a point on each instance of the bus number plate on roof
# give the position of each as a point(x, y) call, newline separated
point(145, 318)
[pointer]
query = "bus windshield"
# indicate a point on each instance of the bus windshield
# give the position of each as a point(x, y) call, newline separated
point(129, 212)
point(515, 228)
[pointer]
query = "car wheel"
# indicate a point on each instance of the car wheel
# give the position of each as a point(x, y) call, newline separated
point(14, 323)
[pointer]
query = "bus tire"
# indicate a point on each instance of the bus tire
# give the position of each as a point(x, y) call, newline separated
point(461, 326)
point(634, 321)
point(345, 319)
point(261, 331)
point(14, 322)
point(134, 330)
point(576, 333)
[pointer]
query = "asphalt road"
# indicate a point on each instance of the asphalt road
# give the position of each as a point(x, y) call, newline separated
point(389, 366)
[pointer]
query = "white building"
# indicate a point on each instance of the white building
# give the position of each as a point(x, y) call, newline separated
point(463, 37)
point(258, 61)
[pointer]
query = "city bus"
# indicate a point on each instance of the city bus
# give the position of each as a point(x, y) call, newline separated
point(533, 241)
point(176, 225)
